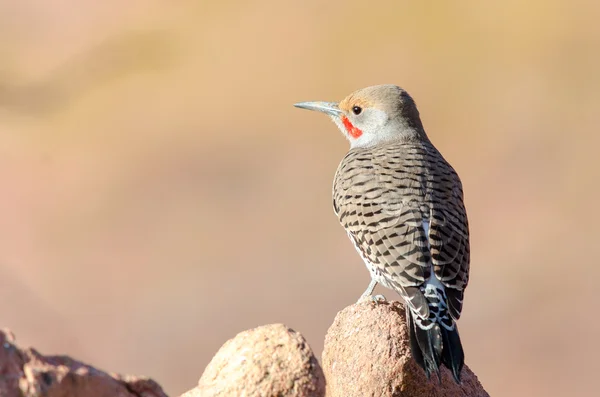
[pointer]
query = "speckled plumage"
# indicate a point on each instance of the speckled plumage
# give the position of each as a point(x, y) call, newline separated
point(382, 195)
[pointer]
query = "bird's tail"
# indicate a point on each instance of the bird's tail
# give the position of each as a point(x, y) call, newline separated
point(453, 355)
point(434, 341)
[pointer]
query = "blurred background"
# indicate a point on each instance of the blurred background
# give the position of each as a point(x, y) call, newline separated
point(159, 193)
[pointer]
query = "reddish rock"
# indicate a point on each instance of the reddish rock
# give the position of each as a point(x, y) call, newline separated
point(271, 360)
point(27, 373)
point(367, 353)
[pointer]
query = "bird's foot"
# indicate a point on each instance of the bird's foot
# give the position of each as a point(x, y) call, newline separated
point(378, 299)
point(372, 298)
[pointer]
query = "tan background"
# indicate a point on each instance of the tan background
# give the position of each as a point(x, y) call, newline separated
point(159, 193)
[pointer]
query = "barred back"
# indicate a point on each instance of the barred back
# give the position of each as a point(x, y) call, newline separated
point(382, 196)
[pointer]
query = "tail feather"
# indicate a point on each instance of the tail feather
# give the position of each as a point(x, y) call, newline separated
point(453, 356)
point(435, 345)
point(414, 344)
point(426, 345)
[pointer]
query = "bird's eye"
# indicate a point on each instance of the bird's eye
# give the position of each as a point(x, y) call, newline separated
point(356, 110)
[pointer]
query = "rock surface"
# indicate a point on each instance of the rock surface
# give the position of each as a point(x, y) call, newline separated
point(367, 353)
point(27, 373)
point(271, 360)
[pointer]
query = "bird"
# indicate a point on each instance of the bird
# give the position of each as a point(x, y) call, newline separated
point(401, 204)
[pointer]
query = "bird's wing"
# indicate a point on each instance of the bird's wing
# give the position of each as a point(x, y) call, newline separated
point(387, 230)
point(449, 239)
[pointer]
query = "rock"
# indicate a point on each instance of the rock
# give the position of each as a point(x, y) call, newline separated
point(367, 353)
point(271, 360)
point(27, 373)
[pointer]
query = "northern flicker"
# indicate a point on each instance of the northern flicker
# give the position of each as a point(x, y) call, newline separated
point(401, 204)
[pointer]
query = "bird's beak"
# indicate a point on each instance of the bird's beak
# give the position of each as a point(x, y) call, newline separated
point(330, 108)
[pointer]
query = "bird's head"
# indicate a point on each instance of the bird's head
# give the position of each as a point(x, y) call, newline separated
point(373, 115)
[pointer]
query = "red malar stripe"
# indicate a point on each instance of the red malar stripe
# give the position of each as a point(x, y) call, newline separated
point(352, 130)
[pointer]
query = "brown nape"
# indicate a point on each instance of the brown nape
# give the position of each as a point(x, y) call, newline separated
point(409, 111)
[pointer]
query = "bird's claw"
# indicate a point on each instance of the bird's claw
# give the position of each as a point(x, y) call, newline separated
point(378, 299)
